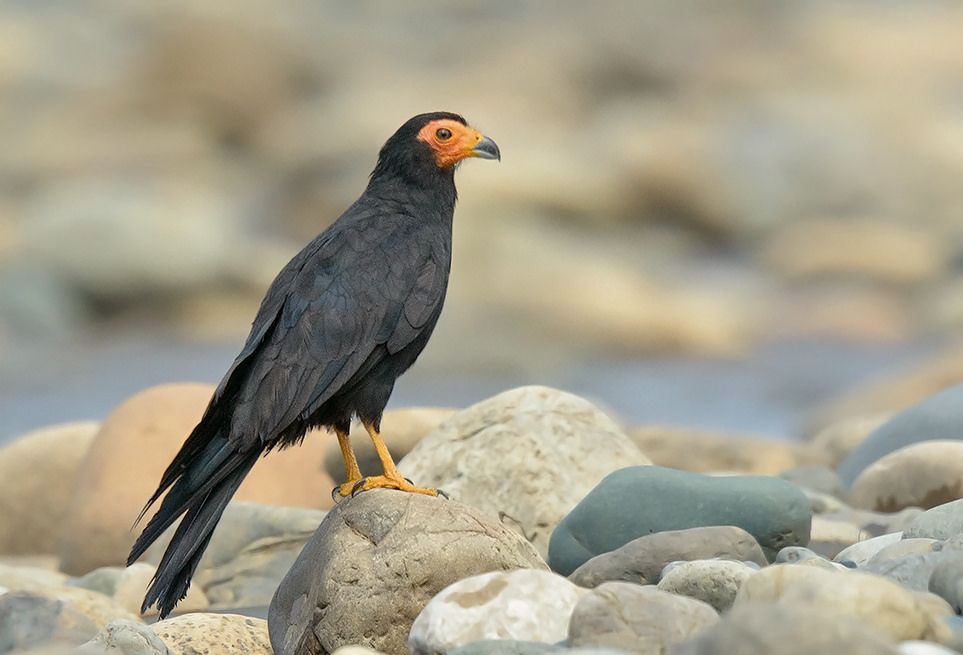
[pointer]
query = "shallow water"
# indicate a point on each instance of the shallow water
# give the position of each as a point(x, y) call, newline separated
point(768, 392)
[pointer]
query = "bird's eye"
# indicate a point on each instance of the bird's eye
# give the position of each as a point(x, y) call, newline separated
point(443, 133)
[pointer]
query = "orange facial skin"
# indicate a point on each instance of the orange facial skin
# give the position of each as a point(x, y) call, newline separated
point(452, 150)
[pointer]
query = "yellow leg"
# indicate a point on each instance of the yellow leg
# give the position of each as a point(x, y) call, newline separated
point(391, 479)
point(351, 470)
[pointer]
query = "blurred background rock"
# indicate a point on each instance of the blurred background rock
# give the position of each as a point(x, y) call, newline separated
point(709, 213)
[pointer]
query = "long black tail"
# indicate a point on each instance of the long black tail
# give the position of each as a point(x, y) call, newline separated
point(202, 478)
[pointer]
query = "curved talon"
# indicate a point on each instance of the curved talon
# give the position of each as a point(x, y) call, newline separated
point(442, 493)
point(335, 493)
point(409, 481)
point(358, 487)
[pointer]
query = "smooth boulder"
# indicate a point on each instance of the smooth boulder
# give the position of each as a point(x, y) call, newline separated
point(37, 480)
point(641, 500)
point(127, 457)
point(941, 522)
point(376, 561)
point(715, 582)
point(636, 619)
point(528, 455)
point(525, 604)
point(937, 418)
point(924, 474)
point(642, 560)
point(885, 605)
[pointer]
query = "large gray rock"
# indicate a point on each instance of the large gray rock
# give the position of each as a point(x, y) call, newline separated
point(942, 522)
point(31, 621)
point(712, 581)
point(636, 619)
point(376, 561)
point(936, 418)
point(642, 560)
point(787, 629)
point(525, 604)
point(775, 512)
point(529, 454)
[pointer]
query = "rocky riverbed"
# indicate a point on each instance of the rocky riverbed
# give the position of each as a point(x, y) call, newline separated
point(566, 532)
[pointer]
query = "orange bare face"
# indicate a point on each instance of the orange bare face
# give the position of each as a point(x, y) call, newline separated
point(451, 142)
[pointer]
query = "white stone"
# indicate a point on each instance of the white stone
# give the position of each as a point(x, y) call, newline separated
point(524, 604)
point(924, 648)
point(862, 551)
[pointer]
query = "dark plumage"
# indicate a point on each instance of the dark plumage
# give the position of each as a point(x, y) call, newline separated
point(347, 316)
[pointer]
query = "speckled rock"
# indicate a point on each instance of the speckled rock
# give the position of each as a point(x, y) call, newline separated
point(125, 638)
point(788, 629)
point(376, 561)
point(636, 618)
point(37, 481)
point(924, 474)
point(642, 560)
point(772, 510)
point(214, 634)
point(712, 581)
point(861, 552)
point(881, 603)
point(525, 604)
point(935, 418)
point(941, 522)
point(553, 446)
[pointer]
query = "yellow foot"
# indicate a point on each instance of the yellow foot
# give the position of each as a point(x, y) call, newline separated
point(384, 482)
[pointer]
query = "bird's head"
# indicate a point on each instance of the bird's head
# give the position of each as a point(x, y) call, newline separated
point(433, 143)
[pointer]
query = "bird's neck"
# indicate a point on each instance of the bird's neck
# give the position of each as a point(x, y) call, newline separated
point(434, 196)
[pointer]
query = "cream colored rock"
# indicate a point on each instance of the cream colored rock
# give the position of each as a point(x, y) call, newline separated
point(872, 599)
point(708, 452)
point(402, 429)
point(37, 486)
point(712, 581)
point(128, 455)
point(214, 634)
point(924, 474)
point(835, 441)
point(30, 578)
point(530, 454)
point(526, 605)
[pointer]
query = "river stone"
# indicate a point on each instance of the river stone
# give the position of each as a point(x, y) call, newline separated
point(525, 604)
point(642, 560)
point(31, 621)
point(937, 418)
point(402, 429)
point(376, 561)
point(946, 580)
point(125, 638)
point(127, 457)
point(223, 634)
point(881, 603)
point(507, 647)
point(636, 619)
point(712, 581)
point(911, 571)
point(863, 551)
point(252, 549)
point(924, 474)
point(37, 482)
point(787, 629)
point(941, 522)
point(772, 510)
point(528, 454)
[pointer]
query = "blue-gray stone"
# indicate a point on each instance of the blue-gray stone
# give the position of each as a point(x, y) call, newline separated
point(937, 418)
point(941, 522)
point(641, 500)
point(946, 580)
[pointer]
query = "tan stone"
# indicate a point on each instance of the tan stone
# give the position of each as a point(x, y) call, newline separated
point(835, 441)
point(702, 451)
point(924, 474)
point(37, 482)
point(214, 634)
point(402, 429)
point(874, 600)
point(132, 449)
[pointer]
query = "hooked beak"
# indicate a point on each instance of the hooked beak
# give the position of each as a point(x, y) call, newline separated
point(486, 149)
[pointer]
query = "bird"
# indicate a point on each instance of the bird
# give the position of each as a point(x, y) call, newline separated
point(338, 325)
